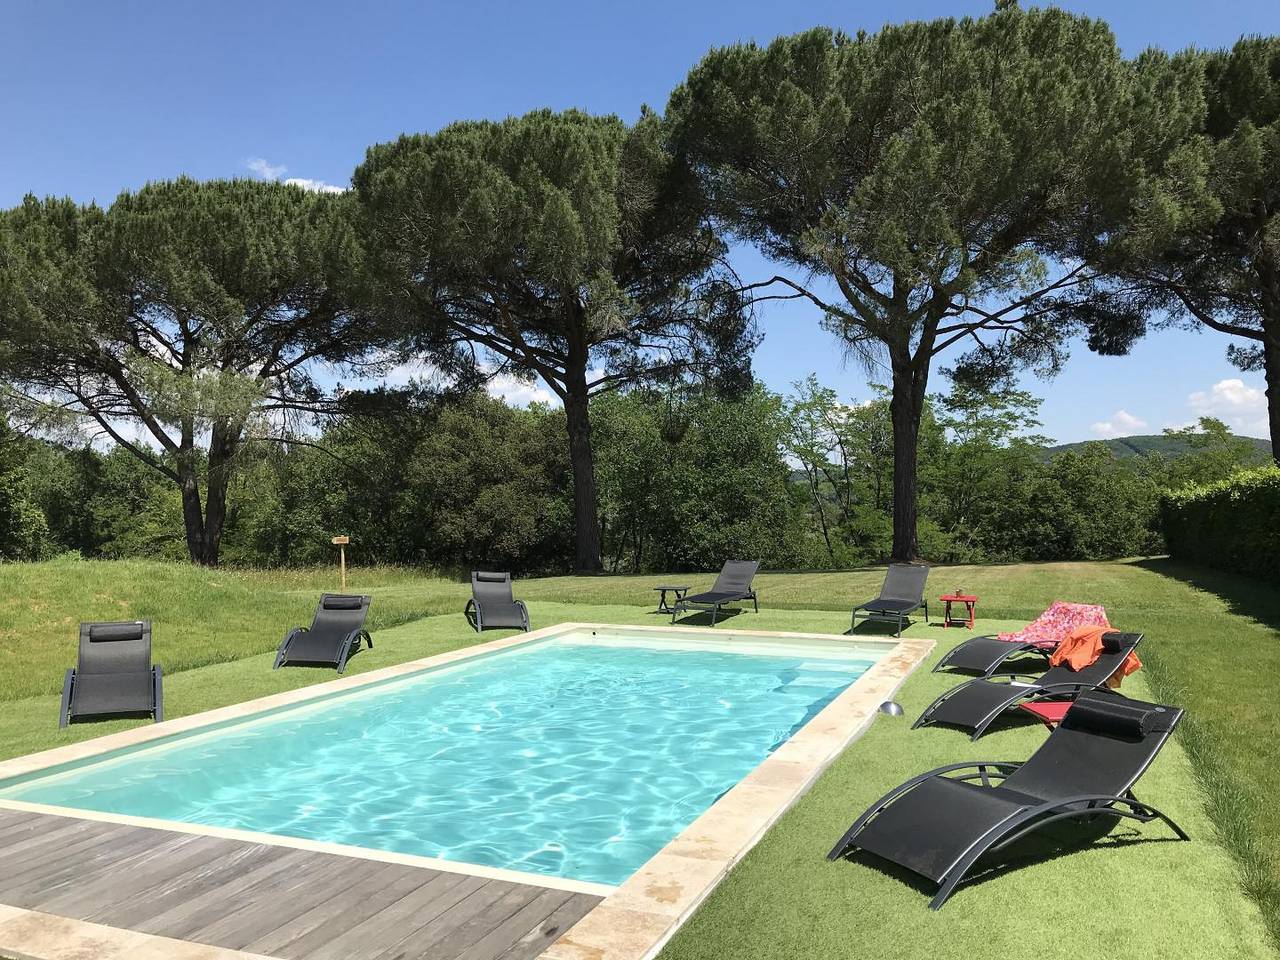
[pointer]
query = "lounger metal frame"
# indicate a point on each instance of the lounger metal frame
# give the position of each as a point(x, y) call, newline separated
point(1016, 649)
point(474, 608)
point(1024, 688)
point(1121, 805)
point(156, 710)
point(687, 603)
point(350, 643)
point(899, 618)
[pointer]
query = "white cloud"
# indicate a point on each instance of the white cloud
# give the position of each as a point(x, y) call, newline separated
point(265, 170)
point(1122, 423)
point(519, 393)
point(316, 186)
point(1241, 407)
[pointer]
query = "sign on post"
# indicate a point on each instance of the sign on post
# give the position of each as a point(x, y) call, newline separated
point(341, 544)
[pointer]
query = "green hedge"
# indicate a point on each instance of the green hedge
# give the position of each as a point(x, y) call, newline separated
point(1233, 524)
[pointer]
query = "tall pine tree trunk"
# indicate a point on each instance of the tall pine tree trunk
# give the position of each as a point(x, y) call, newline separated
point(1271, 370)
point(906, 406)
point(586, 525)
point(205, 522)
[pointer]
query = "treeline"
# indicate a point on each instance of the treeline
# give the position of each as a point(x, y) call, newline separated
point(685, 481)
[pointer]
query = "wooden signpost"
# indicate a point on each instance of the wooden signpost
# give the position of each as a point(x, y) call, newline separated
point(341, 544)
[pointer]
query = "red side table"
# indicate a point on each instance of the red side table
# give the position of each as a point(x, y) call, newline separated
point(970, 604)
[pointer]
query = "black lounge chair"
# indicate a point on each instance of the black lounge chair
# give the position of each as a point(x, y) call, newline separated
point(983, 656)
point(493, 603)
point(901, 595)
point(114, 675)
point(334, 635)
point(975, 704)
point(941, 823)
point(731, 586)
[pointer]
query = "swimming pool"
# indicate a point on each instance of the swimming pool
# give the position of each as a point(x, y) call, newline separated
point(577, 755)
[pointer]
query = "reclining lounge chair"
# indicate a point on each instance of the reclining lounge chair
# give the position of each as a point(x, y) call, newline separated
point(902, 593)
point(731, 586)
point(983, 656)
point(334, 635)
point(974, 704)
point(493, 603)
point(114, 675)
point(940, 824)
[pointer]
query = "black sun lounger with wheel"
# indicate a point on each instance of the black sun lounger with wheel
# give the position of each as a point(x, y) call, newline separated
point(493, 604)
point(901, 595)
point(732, 586)
point(973, 705)
point(114, 675)
point(983, 656)
point(334, 635)
point(941, 824)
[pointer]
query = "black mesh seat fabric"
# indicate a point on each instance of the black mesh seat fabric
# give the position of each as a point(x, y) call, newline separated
point(930, 827)
point(984, 655)
point(941, 823)
point(334, 635)
point(493, 604)
point(901, 594)
point(975, 704)
point(114, 675)
point(733, 584)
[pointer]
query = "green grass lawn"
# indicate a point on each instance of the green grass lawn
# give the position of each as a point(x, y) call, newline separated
point(1213, 646)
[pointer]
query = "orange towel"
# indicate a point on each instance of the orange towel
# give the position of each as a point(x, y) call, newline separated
point(1083, 646)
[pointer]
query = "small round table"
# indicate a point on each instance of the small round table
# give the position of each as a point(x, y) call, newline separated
point(679, 591)
point(970, 604)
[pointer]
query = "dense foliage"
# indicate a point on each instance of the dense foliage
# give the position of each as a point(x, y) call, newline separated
point(686, 480)
point(184, 323)
point(1233, 524)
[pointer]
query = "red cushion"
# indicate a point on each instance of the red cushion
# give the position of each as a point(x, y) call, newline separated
point(1049, 711)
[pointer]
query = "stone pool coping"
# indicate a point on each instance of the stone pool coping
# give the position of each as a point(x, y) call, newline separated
point(636, 918)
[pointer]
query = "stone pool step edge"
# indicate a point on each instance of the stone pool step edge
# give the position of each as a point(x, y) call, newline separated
point(637, 920)
point(32, 935)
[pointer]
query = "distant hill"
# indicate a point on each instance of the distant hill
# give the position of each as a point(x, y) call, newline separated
point(1144, 446)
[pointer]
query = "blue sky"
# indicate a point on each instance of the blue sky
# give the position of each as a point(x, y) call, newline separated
point(99, 97)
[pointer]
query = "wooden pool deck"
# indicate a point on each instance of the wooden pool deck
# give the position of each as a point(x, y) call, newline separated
point(267, 900)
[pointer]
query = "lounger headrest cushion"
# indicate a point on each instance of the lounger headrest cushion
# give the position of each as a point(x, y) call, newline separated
point(1113, 642)
point(343, 603)
point(115, 631)
point(485, 577)
point(1114, 717)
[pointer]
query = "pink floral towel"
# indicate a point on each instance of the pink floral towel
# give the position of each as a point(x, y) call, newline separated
point(1051, 627)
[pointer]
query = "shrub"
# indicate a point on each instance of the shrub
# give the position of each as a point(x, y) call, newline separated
point(1233, 524)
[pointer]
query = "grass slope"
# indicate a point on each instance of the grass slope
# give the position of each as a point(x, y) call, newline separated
point(1213, 646)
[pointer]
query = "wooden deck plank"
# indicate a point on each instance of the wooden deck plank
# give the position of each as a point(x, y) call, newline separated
point(222, 868)
point(280, 901)
point(89, 864)
point(456, 929)
point(154, 869)
point(326, 920)
point(389, 926)
point(214, 898)
point(537, 939)
point(319, 879)
point(498, 940)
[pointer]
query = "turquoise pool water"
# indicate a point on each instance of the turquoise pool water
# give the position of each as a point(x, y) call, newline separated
point(577, 756)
